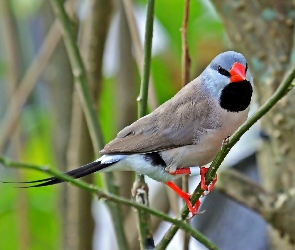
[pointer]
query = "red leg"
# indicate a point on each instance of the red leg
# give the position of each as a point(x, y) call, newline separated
point(181, 171)
point(203, 172)
point(185, 196)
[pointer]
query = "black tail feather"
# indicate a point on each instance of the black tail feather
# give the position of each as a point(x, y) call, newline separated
point(75, 173)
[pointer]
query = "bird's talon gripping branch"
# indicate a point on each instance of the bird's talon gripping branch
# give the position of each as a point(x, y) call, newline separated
point(211, 187)
point(203, 172)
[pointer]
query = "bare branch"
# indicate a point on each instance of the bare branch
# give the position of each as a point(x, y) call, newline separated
point(110, 197)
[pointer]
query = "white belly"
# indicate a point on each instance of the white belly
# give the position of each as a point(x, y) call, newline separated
point(138, 164)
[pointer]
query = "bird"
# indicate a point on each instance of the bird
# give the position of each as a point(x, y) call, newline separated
point(186, 131)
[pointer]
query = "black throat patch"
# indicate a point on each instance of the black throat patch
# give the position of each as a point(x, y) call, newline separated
point(236, 96)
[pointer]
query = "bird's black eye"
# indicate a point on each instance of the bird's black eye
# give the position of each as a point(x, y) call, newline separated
point(246, 68)
point(222, 71)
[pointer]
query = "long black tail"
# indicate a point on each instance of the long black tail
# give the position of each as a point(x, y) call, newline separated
point(75, 173)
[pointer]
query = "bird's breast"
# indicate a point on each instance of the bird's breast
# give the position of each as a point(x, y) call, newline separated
point(208, 143)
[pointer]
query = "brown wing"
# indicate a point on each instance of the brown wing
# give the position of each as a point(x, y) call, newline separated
point(176, 123)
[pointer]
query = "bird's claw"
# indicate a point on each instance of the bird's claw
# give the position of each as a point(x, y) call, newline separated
point(192, 215)
point(203, 172)
point(194, 209)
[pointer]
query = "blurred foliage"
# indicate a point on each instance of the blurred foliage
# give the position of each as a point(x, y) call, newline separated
point(24, 9)
point(205, 37)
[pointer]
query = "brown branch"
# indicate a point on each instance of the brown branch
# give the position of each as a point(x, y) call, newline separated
point(185, 59)
point(186, 63)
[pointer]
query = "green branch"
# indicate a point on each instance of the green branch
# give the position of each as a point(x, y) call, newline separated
point(143, 95)
point(282, 90)
point(82, 85)
point(110, 197)
point(143, 218)
point(80, 76)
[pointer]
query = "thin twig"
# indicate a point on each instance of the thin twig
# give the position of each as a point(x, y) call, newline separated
point(140, 187)
point(79, 75)
point(82, 85)
point(143, 95)
point(186, 63)
point(110, 197)
point(283, 89)
point(185, 59)
point(138, 50)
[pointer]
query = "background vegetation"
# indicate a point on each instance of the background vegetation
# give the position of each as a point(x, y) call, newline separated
point(42, 122)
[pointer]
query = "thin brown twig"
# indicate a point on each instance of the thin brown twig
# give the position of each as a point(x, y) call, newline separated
point(185, 63)
point(185, 60)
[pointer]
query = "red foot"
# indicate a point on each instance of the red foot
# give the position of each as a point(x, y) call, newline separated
point(180, 171)
point(186, 197)
point(203, 172)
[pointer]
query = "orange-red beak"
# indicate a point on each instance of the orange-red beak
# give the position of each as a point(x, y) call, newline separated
point(237, 72)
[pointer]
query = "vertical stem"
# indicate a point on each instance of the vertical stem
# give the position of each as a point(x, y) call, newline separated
point(138, 50)
point(185, 63)
point(143, 95)
point(140, 188)
point(82, 85)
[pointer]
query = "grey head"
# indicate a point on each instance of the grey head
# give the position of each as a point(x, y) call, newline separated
point(228, 79)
